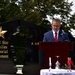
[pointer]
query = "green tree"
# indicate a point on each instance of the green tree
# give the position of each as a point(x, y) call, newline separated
point(9, 10)
point(36, 11)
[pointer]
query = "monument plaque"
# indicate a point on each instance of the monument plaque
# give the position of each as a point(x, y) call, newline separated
point(4, 49)
point(3, 44)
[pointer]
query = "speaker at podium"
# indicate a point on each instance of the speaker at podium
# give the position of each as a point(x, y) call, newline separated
point(53, 49)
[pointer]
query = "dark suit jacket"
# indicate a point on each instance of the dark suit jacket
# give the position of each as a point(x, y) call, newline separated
point(62, 36)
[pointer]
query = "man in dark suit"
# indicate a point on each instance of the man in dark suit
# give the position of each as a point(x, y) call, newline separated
point(56, 34)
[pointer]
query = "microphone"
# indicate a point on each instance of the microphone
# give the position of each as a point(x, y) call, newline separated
point(63, 33)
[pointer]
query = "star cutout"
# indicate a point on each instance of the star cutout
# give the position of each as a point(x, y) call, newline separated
point(2, 32)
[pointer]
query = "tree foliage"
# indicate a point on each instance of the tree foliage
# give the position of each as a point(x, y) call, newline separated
point(9, 10)
point(36, 11)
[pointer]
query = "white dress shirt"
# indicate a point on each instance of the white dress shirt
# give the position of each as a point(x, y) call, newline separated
point(55, 32)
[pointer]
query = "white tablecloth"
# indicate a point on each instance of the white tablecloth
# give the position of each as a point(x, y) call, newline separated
point(57, 72)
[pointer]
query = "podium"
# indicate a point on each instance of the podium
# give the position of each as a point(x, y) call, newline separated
point(53, 49)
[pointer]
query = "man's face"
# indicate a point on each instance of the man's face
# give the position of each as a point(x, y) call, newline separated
point(56, 25)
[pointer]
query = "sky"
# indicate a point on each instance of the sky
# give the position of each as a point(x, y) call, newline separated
point(73, 7)
point(73, 11)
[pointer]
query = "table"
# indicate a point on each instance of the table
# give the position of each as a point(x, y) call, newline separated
point(57, 72)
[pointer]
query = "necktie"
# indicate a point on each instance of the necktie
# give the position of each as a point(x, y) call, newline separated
point(55, 38)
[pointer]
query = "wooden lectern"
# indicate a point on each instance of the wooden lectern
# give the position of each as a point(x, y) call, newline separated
point(53, 49)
